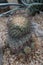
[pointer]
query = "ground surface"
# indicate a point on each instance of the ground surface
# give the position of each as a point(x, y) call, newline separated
point(35, 57)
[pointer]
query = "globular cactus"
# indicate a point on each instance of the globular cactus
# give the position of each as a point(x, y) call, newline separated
point(18, 26)
point(18, 29)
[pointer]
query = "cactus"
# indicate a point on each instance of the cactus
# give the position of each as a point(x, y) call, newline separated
point(18, 30)
point(19, 26)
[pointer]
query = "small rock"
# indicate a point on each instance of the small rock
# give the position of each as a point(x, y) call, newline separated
point(27, 49)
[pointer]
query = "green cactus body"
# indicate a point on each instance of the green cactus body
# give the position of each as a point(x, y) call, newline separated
point(18, 29)
point(19, 26)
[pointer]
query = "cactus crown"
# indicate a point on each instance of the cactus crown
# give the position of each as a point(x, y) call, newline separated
point(18, 26)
